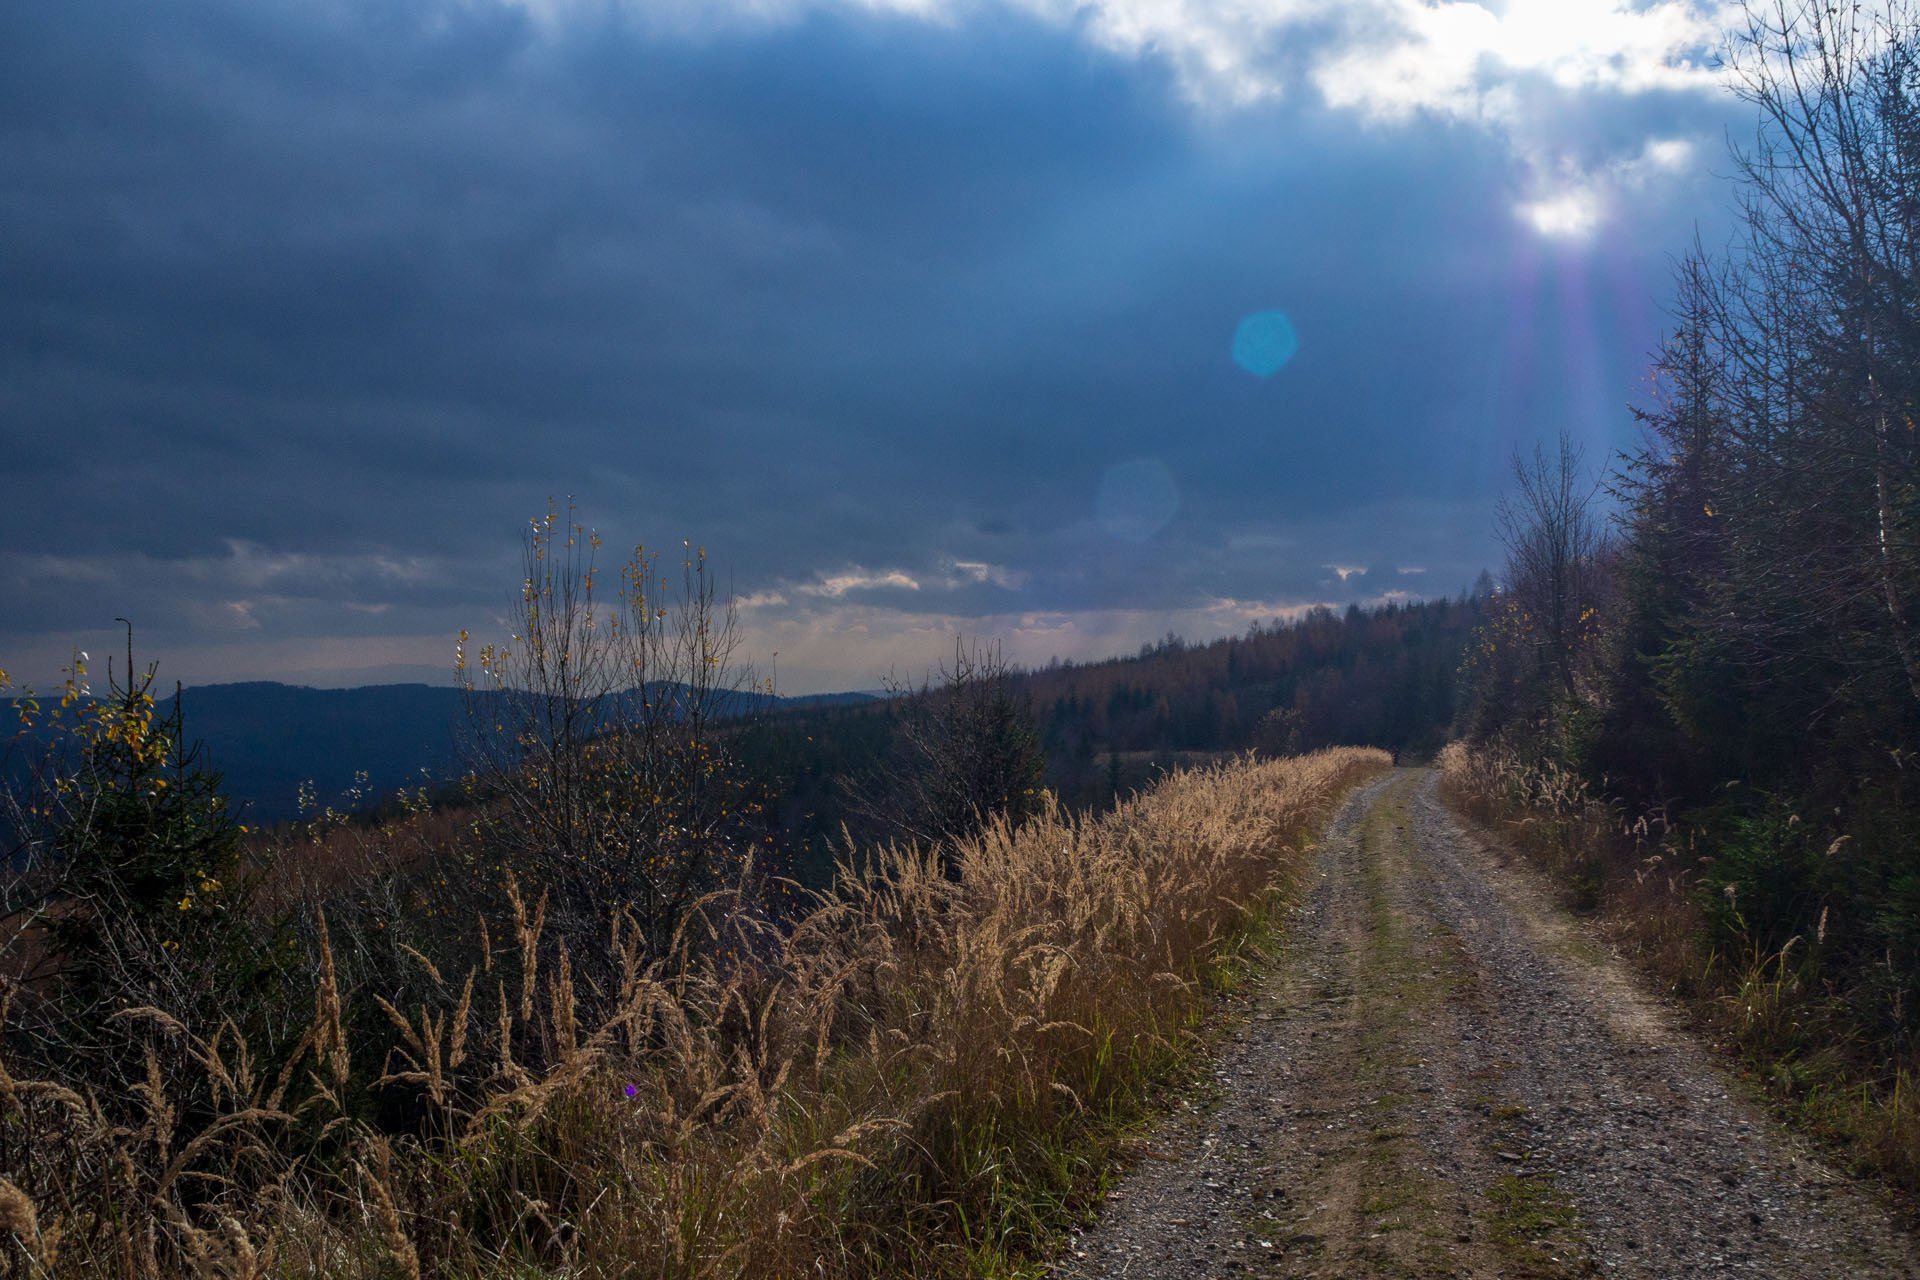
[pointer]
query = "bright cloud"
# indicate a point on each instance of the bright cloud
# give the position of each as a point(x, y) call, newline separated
point(1480, 62)
point(976, 571)
point(1455, 59)
point(834, 586)
point(1568, 215)
point(1571, 201)
point(1386, 57)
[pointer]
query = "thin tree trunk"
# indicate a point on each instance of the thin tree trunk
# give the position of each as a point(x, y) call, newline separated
point(1889, 585)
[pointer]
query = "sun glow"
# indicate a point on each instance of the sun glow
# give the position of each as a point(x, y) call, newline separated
point(1572, 215)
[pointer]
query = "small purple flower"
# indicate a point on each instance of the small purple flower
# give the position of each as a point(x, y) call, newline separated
point(633, 1090)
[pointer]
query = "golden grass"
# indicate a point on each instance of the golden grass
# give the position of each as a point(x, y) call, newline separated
point(916, 1078)
point(1628, 871)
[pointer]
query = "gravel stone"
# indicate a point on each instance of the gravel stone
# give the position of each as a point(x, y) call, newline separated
point(1446, 1075)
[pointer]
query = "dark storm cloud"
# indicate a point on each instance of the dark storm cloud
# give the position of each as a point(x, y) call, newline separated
point(669, 255)
point(304, 308)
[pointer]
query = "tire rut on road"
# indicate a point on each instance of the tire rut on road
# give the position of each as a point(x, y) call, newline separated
point(1444, 1076)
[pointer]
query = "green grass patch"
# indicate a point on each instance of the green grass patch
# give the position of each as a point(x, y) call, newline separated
point(1534, 1225)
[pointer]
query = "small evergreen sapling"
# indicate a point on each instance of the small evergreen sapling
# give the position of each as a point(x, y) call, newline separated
point(134, 868)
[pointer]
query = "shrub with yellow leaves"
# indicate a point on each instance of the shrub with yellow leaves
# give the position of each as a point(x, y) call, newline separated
point(127, 887)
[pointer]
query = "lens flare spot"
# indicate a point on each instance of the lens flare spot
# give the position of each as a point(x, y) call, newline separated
point(1264, 342)
point(1136, 499)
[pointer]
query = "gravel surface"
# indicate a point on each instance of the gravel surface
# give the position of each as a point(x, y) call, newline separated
point(1446, 1076)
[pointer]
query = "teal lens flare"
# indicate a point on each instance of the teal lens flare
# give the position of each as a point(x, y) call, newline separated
point(1264, 342)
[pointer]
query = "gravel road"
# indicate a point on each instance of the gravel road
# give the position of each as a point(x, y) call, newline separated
point(1446, 1076)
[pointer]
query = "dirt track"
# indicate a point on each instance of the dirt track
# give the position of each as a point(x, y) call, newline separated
point(1445, 1077)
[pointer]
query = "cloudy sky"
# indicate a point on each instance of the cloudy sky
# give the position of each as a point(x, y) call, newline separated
point(1059, 323)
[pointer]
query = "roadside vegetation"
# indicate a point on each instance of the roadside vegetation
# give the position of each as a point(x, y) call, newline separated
point(1792, 1017)
point(576, 1025)
point(1706, 717)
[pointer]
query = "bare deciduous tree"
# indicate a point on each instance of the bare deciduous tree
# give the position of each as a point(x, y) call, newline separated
point(594, 733)
point(1553, 539)
point(1822, 319)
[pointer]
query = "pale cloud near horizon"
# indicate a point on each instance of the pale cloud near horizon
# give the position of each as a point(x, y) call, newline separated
point(839, 646)
point(253, 614)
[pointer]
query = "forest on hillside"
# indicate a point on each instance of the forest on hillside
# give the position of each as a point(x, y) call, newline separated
point(1384, 677)
point(1381, 677)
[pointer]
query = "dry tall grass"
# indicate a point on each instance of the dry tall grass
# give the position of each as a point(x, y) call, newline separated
point(1792, 1033)
point(1629, 871)
point(910, 1081)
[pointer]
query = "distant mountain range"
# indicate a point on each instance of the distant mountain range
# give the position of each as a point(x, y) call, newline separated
point(267, 739)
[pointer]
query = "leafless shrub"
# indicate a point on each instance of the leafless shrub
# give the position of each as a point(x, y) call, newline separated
point(593, 733)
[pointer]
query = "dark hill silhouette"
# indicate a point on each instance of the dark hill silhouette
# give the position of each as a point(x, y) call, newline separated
point(268, 739)
point(352, 745)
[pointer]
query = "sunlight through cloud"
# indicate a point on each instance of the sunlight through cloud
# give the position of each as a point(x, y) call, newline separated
point(1480, 62)
point(1571, 215)
point(1386, 57)
point(1574, 202)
